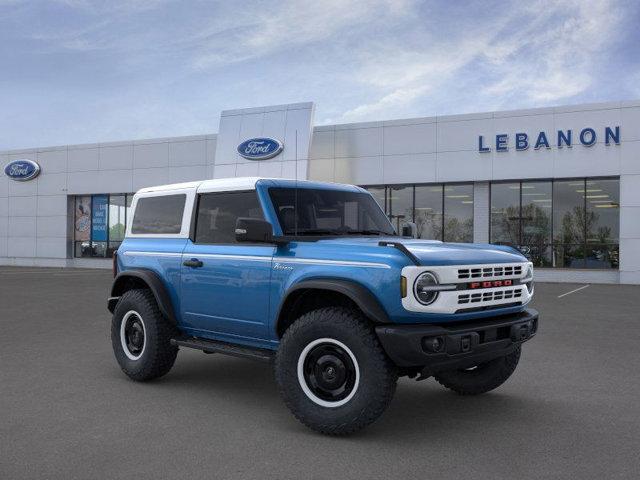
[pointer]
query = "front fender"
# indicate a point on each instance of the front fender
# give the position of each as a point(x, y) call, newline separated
point(358, 293)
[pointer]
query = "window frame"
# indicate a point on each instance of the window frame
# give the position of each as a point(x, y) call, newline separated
point(186, 213)
point(193, 227)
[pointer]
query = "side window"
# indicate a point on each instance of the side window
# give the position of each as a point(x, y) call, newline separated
point(159, 215)
point(218, 212)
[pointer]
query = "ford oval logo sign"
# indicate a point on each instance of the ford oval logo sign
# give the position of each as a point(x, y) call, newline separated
point(22, 170)
point(260, 148)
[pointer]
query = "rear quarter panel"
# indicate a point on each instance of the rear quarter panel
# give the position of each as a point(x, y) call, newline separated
point(160, 255)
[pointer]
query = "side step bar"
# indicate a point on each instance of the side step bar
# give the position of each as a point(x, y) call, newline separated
point(213, 346)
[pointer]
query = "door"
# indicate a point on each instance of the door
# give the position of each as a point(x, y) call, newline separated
point(225, 284)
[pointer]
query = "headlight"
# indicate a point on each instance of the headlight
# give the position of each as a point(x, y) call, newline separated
point(528, 280)
point(425, 288)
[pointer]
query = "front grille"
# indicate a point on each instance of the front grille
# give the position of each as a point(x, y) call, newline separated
point(490, 272)
point(480, 297)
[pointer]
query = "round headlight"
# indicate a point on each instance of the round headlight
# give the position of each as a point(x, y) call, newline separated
point(529, 280)
point(423, 288)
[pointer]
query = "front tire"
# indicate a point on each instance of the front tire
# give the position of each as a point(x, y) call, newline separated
point(332, 372)
point(482, 378)
point(141, 337)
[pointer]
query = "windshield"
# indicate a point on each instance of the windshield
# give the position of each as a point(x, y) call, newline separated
point(328, 212)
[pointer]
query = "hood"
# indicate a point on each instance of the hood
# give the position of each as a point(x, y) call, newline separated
point(433, 252)
point(462, 253)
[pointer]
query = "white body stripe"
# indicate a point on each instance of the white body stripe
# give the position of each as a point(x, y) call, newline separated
point(222, 256)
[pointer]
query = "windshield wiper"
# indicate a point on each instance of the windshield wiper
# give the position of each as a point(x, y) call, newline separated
point(368, 232)
point(320, 231)
point(341, 231)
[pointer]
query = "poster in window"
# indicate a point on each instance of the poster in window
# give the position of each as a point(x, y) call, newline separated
point(82, 218)
point(99, 207)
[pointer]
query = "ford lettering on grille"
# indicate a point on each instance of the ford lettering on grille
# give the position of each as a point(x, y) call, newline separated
point(490, 284)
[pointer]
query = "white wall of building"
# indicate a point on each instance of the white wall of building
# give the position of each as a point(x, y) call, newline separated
point(35, 218)
point(445, 149)
point(35, 223)
point(290, 124)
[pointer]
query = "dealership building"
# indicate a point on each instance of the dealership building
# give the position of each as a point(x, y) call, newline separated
point(562, 184)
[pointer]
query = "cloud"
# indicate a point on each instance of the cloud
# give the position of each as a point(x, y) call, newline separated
point(541, 53)
point(287, 25)
point(127, 69)
point(555, 63)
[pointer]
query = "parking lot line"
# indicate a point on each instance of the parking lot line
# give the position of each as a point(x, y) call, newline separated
point(573, 291)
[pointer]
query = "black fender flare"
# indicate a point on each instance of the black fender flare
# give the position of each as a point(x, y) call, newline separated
point(358, 293)
point(152, 280)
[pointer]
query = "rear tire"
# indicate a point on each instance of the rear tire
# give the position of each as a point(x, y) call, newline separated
point(332, 372)
point(482, 378)
point(141, 337)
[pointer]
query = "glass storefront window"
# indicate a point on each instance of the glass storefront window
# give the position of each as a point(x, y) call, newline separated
point(400, 202)
point(99, 223)
point(603, 223)
point(440, 212)
point(569, 223)
point(568, 212)
point(458, 213)
point(505, 213)
point(428, 211)
point(563, 223)
point(117, 219)
point(82, 226)
point(536, 222)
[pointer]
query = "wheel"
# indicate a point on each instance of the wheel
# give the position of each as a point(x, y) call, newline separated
point(332, 372)
point(141, 337)
point(481, 378)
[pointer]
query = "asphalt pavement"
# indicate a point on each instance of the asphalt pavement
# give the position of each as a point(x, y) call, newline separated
point(571, 410)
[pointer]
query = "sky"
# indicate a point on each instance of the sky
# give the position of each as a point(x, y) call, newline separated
point(80, 71)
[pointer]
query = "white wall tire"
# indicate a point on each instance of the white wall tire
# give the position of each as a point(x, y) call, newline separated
point(130, 321)
point(327, 337)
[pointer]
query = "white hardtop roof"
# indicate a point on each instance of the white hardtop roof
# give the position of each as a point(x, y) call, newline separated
point(217, 185)
point(220, 184)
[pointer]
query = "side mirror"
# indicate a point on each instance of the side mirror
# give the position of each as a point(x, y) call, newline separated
point(253, 230)
point(409, 229)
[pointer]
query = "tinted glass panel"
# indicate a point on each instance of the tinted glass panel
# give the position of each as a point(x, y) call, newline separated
point(428, 212)
point(568, 212)
point(602, 256)
point(99, 249)
point(603, 211)
point(117, 215)
point(458, 213)
point(400, 205)
point(158, 215)
point(82, 249)
point(82, 227)
point(505, 213)
point(536, 222)
point(327, 212)
point(218, 212)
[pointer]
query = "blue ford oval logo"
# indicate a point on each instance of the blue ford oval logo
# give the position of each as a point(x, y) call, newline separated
point(22, 170)
point(260, 148)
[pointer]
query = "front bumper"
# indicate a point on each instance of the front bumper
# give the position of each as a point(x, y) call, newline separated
point(461, 345)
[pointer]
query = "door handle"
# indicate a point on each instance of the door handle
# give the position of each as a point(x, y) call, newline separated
point(193, 263)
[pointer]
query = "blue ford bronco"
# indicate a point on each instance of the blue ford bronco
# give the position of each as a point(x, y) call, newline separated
point(313, 278)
